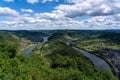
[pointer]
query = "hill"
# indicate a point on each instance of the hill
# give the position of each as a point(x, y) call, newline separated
point(53, 60)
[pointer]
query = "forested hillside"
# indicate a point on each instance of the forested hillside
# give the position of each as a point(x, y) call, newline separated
point(53, 60)
point(63, 59)
point(33, 36)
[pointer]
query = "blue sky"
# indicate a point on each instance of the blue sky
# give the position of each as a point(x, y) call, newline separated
point(59, 14)
point(37, 7)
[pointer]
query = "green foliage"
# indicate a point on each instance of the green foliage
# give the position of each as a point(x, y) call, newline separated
point(33, 36)
point(99, 43)
point(68, 64)
point(63, 62)
point(51, 61)
point(8, 50)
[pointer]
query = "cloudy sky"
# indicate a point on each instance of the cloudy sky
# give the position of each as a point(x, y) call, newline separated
point(59, 14)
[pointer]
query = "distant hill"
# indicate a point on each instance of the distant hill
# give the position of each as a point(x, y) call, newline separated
point(21, 38)
point(53, 60)
point(6, 36)
point(33, 36)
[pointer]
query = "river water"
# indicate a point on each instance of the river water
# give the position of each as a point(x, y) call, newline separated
point(29, 50)
point(98, 62)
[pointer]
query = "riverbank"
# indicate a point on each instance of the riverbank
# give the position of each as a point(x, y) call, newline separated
point(28, 50)
point(98, 62)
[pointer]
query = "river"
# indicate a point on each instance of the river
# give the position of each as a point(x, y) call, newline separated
point(97, 61)
point(29, 50)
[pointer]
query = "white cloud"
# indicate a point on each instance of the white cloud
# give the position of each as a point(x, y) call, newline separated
point(9, 0)
point(40, 22)
point(105, 15)
point(89, 7)
point(44, 1)
point(32, 1)
point(103, 22)
point(73, 1)
point(56, 14)
point(27, 10)
point(6, 11)
point(25, 22)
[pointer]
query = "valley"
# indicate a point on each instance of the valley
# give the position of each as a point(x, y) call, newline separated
point(51, 55)
point(59, 39)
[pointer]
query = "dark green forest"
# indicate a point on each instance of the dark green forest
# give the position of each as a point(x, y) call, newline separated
point(53, 60)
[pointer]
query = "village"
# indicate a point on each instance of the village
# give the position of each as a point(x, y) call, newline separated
point(113, 56)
